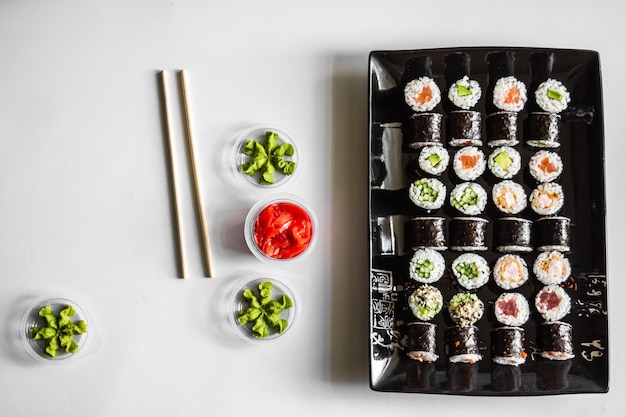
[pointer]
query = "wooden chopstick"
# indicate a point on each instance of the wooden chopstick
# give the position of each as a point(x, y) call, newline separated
point(199, 204)
point(178, 225)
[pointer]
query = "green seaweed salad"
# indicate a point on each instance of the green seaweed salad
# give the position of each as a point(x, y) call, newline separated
point(59, 331)
point(268, 158)
point(263, 312)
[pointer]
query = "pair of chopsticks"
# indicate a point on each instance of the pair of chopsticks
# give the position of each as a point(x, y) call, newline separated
point(198, 197)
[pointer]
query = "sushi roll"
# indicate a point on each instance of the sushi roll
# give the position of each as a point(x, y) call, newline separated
point(462, 345)
point(470, 270)
point(428, 193)
point(433, 160)
point(512, 234)
point(465, 128)
point(509, 94)
point(553, 233)
point(545, 166)
point(544, 130)
point(552, 302)
point(502, 129)
point(468, 234)
point(507, 346)
point(510, 271)
point(426, 232)
point(422, 342)
point(465, 93)
point(469, 198)
point(509, 197)
point(555, 341)
point(425, 130)
point(551, 268)
point(425, 302)
point(422, 94)
point(552, 96)
point(511, 309)
point(426, 265)
point(504, 162)
point(465, 309)
point(469, 163)
point(547, 199)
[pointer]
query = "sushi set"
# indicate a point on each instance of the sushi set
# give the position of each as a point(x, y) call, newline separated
point(487, 222)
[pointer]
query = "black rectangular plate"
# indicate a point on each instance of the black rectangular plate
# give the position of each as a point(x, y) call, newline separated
point(582, 151)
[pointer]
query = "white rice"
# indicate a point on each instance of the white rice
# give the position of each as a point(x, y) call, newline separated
point(552, 302)
point(509, 197)
point(552, 96)
point(479, 270)
point(413, 90)
point(469, 173)
point(427, 265)
point(547, 199)
point(461, 100)
point(551, 268)
point(469, 198)
point(501, 92)
point(427, 166)
point(545, 166)
point(510, 271)
point(508, 155)
point(425, 302)
point(428, 193)
point(511, 302)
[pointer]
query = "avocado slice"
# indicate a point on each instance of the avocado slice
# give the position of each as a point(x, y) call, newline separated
point(503, 159)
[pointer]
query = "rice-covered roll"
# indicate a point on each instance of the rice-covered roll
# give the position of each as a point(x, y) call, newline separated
point(425, 302)
point(545, 166)
point(422, 94)
point(426, 232)
point(510, 271)
point(504, 162)
point(468, 234)
point(434, 160)
point(553, 233)
point(554, 341)
point(422, 342)
point(469, 163)
point(547, 199)
point(502, 129)
point(425, 130)
point(512, 234)
point(545, 129)
point(552, 302)
point(511, 309)
point(552, 96)
point(465, 309)
point(462, 345)
point(465, 128)
point(427, 265)
point(465, 93)
point(469, 198)
point(551, 268)
point(509, 94)
point(509, 197)
point(470, 270)
point(428, 193)
point(507, 346)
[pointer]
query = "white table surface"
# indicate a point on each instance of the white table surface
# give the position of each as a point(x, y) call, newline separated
point(85, 204)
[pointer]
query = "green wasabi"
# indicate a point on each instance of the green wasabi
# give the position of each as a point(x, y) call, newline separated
point(268, 158)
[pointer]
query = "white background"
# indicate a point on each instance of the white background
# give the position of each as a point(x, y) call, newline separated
point(85, 204)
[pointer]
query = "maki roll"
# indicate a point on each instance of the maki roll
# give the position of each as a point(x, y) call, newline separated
point(544, 130)
point(552, 96)
point(469, 198)
point(509, 94)
point(426, 265)
point(551, 268)
point(502, 129)
point(428, 193)
point(469, 163)
point(468, 234)
point(507, 346)
point(425, 302)
point(465, 309)
point(426, 232)
point(426, 130)
point(511, 309)
point(465, 93)
point(470, 270)
point(545, 166)
point(555, 341)
point(465, 128)
point(552, 302)
point(462, 345)
point(504, 162)
point(510, 271)
point(433, 159)
point(509, 197)
point(547, 198)
point(422, 342)
point(553, 233)
point(422, 94)
point(512, 234)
